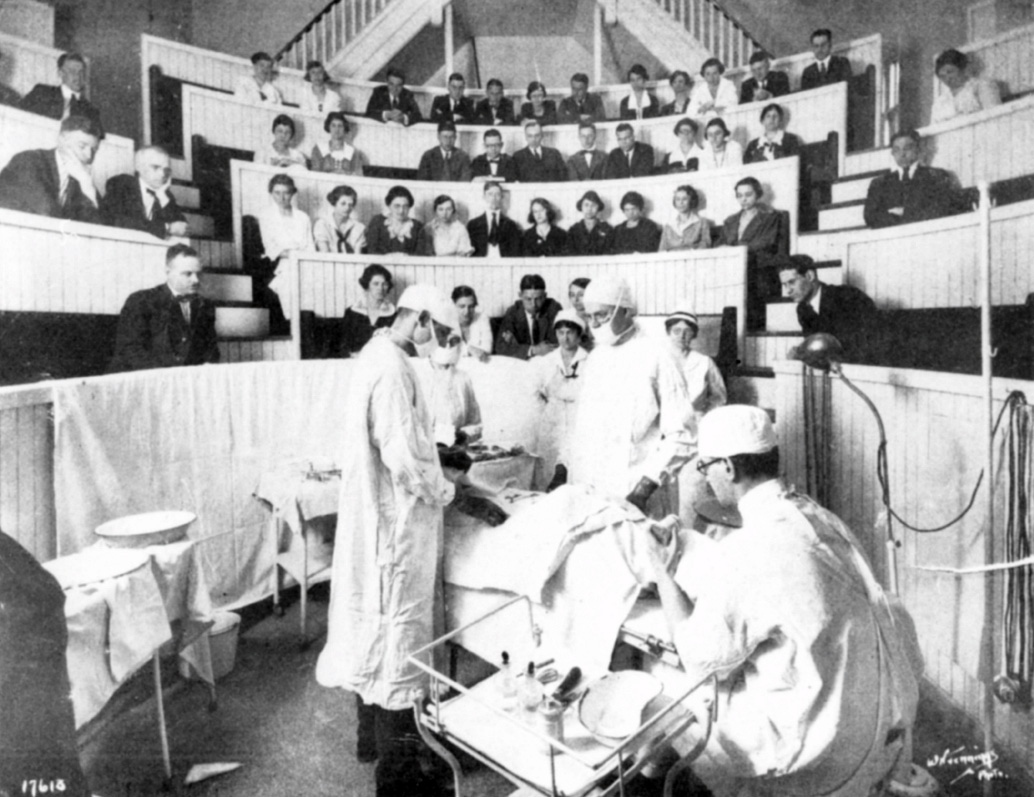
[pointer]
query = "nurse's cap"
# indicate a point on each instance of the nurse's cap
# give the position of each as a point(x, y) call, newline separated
point(735, 429)
point(419, 297)
point(445, 313)
point(683, 315)
point(571, 317)
point(609, 290)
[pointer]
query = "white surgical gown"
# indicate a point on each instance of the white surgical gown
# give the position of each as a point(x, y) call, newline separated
point(556, 389)
point(450, 399)
point(389, 535)
point(706, 391)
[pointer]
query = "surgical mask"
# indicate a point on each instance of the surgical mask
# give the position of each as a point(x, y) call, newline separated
point(604, 333)
point(446, 355)
point(427, 349)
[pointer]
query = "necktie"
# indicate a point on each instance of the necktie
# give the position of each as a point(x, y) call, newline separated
point(153, 204)
point(262, 94)
point(184, 302)
point(538, 154)
point(493, 231)
point(904, 175)
point(533, 328)
point(448, 155)
point(394, 104)
point(822, 70)
point(71, 193)
point(630, 153)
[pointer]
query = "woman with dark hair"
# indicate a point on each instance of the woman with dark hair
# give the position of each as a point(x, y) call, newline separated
point(687, 229)
point(393, 232)
point(336, 230)
point(445, 235)
point(335, 154)
point(776, 142)
point(714, 95)
point(687, 157)
point(589, 235)
point(321, 97)
point(639, 104)
point(543, 238)
point(962, 93)
point(280, 152)
point(538, 107)
point(636, 233)
point(681, 84)
point(475, 329)
point(720, 151)
point(371, 312)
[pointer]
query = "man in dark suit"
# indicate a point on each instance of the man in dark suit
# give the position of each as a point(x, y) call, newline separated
point(493, 164)
point(828, 68)
point(492, 234)
point(581, 106)
point(495, 110)
point(454, 106)
point(60, 102)
point(588, 163)
point(445, 163)
point(536, 163)
point(143, 201)
point(630, 158)
point(765, 83)
point(843, 311)
point(56, 182)
point(526, 330)
point(394, 102)
point(911, 192)
point(170, 324)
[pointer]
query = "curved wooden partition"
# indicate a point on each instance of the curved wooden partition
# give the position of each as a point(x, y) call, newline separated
point(27, 63)
point(1007, 59)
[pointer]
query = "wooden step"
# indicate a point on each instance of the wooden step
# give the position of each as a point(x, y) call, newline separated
point(223, 287)
point(216, 254)
point(241, 322)
point(781, 316)
point(179, 170)
point(852, 188)
point(842, 216)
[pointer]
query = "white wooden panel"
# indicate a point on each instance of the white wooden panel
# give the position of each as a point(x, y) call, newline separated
point(851, 190)
point(24, 63)
point(26, 477)
point(841, 218)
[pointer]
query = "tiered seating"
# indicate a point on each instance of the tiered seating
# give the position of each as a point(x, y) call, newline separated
point(27, 63)
point(1007, 59)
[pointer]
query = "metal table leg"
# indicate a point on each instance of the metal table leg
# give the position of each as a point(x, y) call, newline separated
point(275, 535)
point(160, 702)
point(439, 749)
point(305, 582)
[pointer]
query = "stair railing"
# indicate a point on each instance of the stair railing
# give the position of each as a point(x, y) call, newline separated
point(710, 24)
point(339, 23)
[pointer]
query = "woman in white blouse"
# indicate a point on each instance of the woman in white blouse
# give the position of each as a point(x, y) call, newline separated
point(284, 228)
point(336, 155)
point(281, 153)
point(687, 156)
point(719, 149)
point(336, 230)
point(321, 96)
point(474, 326)
point(445, 235)
point(715, 94)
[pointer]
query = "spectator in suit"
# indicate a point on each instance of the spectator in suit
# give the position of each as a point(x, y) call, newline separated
point(493, 164)
point(639, 104)
point(258, 86)
point(543, 238)
point(688, 155)
point(143, 201)
point(720, 150)
point(636, 233)
point(630, 158)
point(322, 96)
point(336, 230)
point(493, 234)
point(538, 108)
point(393, 102)
point(445, 163)
point(455, 106)
point(445, 235)
point(336, 155)
point(60, 102)
point(280, 153)
point(496, 109)
point(581, 106)
point(56, 182)
point(526, 330)
point(687, 229)
point(536, 163)
point(590, 235)
point(475, 329)
point(764, 83)
point(714, 95)
point(828, 68)
point(843, 311)
point(964, 93)
point(168, 325)
point(776, 142)
point(394, 232)
point(682, 85)
point(911, 192)
point(588, 163)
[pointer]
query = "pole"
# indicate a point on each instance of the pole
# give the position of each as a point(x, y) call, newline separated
point(449, 68)
point(597, 44)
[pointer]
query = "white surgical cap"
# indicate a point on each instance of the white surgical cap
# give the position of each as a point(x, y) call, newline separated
point(571, 317)
point(609, 290)
point(445, 313)
point(735, 429)
point(419, 297)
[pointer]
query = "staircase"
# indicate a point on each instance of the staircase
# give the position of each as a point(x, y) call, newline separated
point(707, 23)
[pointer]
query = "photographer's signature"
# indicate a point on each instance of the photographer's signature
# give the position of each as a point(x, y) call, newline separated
point(980, 764)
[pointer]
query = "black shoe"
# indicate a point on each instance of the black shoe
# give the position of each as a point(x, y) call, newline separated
point(366, 753)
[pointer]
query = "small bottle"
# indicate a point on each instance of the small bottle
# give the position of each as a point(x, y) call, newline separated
point(531, 689)
point(551, 722)
point(507, 684)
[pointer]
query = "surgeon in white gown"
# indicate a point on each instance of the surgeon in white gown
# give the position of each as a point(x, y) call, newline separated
point(450, 391)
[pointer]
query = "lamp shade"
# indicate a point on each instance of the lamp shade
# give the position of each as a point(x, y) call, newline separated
point(820, 351)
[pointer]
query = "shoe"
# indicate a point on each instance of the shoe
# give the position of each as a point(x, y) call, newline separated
point(366, 754)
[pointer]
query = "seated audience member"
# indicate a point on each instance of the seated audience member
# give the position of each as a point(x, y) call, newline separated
point(445, 235)
point(9, 96)
point(776, 142)
point(719, 150)
point(636, 233)
point(493, 164)
point(143, 201)
point(639, 104)
point(843, 311)
point(828, 68)
point(336, 155)
point(760, 229)
point(371, 312)
point(170, 324)
point(526, 330)
point(394, 102)
point(56, 182)
point(687, 229)
point(538, 108)
point(394, 232)
point(322, 96)
point(589, 235)
point(765, 83)
point(280, 153)
point(445, 163)
point(475, 329)
point(336, 230)
point(258, 86)
point(536, 163)
point(543, 238)
point(493, 234)
point(911, 192)
point(453, 107)
point(60, 102)
point(581, 106)
point(588, 163)
point(576, 295)
point(284, 228)
point(495, 109)
point(714, 95)
point(688, 155)
point(682, 85)
point(963, 93)
point(630, 158)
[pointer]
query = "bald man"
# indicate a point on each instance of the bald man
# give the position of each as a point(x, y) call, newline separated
point(143, 201)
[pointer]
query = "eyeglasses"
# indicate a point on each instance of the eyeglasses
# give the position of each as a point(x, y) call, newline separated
point(703, 465)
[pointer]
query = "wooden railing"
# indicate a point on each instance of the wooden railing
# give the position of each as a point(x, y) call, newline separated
point(1007, 59)
point(712, 26)
point(330, 31)
point(26, 63)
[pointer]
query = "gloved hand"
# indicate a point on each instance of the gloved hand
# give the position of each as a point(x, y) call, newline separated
point(559, 478)
point(641, 494)
point(480, 509)
point(453, 457)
